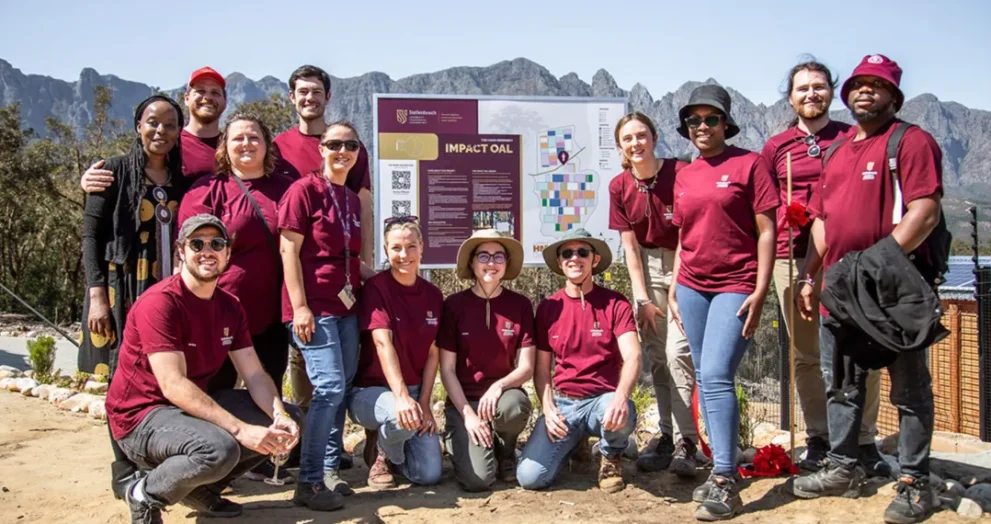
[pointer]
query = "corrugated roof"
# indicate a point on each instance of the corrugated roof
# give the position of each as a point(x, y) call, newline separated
point(959, 283)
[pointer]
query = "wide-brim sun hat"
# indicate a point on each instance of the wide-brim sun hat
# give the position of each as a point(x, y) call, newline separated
point(713, 96)
point(512, 246)
point(578, 235)
point(881, 67)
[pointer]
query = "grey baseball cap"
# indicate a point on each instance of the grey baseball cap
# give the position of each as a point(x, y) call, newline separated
point(202, 220)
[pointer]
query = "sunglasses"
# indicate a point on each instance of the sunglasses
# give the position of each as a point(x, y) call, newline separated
point(814, 149)
point(710, 121)
point(401, 220)
point(484, 257)
point(197, 244)
point(335, 145)
point(582, 252)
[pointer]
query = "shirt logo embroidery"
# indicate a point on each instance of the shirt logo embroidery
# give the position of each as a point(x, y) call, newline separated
point(596, 330)
point(507, 331)
point(723, 182)
point(431, 321)
point(227, 339)
point(869, 174)
point(875, 59)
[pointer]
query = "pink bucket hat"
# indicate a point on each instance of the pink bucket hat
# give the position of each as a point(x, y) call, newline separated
point(881, 67)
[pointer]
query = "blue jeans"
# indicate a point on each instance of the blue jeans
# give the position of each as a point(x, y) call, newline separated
point(331, 359)
point(715, 336)
point(542, 459)
point(417, 457)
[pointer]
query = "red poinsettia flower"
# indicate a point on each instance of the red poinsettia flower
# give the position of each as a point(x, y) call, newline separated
point(769, 461)
point(797, 215)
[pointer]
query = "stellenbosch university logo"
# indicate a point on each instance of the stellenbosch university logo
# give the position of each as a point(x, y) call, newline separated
point(414, 116)
point(402, 116)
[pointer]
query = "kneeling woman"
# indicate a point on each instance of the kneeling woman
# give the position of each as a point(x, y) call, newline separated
point(487, 353)
point(400, 316)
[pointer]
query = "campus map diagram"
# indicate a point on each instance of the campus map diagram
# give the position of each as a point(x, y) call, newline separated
point(567, 193)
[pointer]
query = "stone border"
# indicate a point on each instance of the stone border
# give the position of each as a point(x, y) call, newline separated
point(91, 400)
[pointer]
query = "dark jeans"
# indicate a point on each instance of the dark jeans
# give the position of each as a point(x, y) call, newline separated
point(272, 347)
point(181, 452)
point(911, 394)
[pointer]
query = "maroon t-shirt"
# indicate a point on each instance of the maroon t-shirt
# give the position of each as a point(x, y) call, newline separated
point(805, 172)
point(299, 154)
point(716, 202)
point(198, 154)
point(309, 209)
point(855, 195)
point(412, 313)
point(169, 317)
point(630, 200)
point(585, 342)
point(254, 273)
point(485, 355)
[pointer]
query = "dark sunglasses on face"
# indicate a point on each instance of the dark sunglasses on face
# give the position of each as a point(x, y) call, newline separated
point(484, 257)
point(335, 145)
point(197, 244)
point(582, 252)
point(710, 121)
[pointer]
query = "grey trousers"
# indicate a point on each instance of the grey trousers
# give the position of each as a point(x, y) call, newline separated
point(475, 467)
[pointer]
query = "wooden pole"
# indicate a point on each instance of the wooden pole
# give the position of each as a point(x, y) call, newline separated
point(791, 321)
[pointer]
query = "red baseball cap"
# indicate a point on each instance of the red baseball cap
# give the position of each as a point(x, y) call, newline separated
point(207, 72)
point(881, 67)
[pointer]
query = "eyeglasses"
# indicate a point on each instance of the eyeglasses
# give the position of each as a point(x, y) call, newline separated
point(197, 244)
point(335, 145)
point(812, 142)
point(401, 220)
point(582, 252)
point(877, 83)
point(484, 257)
point(710, 121)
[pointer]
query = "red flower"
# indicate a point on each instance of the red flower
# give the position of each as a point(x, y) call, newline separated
point(797, 215)
point(769, 461)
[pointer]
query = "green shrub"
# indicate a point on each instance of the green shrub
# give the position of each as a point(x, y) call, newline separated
point(746, 421)
point(41, 353)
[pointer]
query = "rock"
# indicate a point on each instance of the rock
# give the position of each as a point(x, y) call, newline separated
point(763, 433)
point(5, 382)
point(10, 372)
point(888, 445)
point(981, 494)
point(747, 457)
point(351, 441)
point(29, 373)
point(42, 391)
point(97, 409)
point(26, 385)
point(77, 403)
point(93, 386)
point(438, 409)
point(650, 420)
point(969, 509)
point(59, 395)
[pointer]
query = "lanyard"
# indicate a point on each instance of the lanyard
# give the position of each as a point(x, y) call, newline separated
point(345, 224)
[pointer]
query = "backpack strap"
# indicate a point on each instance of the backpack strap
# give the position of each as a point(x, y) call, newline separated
point(831, 149)
point(894, 139)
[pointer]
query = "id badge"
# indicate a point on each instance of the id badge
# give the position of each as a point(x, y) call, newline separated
point(347, 296)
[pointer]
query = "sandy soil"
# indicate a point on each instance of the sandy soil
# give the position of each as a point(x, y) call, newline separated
point(54, 467)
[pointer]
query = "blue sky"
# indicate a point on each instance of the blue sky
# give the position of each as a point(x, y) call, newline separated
point(943, 46)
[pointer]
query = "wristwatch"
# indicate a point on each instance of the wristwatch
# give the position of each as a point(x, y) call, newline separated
point(641, 302)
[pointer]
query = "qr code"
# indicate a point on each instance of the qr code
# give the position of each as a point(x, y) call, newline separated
point(400, 180)
point(400, 208)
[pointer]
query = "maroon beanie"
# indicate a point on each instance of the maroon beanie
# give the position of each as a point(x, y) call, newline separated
point(881, 67)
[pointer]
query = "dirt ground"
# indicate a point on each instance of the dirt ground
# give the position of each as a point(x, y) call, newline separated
point(54, 467)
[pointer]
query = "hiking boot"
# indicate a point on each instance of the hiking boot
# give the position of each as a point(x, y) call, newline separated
point(380, 473)
point(723, 501)
point(683, 461)
point(347, 460)
point(334, 482)
point(611, 474)
point(831, 481)
point(657, 455)
point(507, 469)
point(317, 496)
point(147, 511)
point(815, 454)
point(914, 501)
point(371, 447)
point(266, 469)
point(874, 464)
point(209, 504)
point(701, 493)
point(122, 475)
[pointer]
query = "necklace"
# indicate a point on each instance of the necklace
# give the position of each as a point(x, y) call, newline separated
point(646, 188)
point(488, 297)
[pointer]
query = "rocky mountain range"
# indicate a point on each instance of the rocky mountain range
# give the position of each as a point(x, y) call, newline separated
point(963, 133)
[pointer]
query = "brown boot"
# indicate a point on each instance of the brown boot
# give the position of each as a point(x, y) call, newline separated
point(379, 469)
point(371, 447)
point(611, 474)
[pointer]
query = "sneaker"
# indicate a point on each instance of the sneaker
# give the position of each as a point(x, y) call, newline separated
point(380, 473)
point(657, 455)
point(815, 454)
point(914, 501)
point(723, 501)
point(146, 511)
point(701, 493)
point(209, 504)
point(317, 497)
point(347, 460)
point(334, 482)
point(831, 481)
point(266, 469)
point(683, 461)
point(611, 474)
point(874, 464)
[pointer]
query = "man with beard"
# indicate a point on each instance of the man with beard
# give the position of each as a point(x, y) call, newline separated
point(206, 100)
point(190, 445)
point(853, 207)
point(810, 92)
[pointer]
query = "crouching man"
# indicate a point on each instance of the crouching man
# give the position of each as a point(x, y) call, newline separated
point(189, 445)
point(590, 333)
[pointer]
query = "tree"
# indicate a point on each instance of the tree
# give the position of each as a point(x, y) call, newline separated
point(276, 111)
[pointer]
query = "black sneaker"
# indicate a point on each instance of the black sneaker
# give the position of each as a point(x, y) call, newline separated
point(147, 511)
point(123, 473)
point(815, 454)
point(266, 469)
point(683, 462)
point(701, 493)
point(723, 501)
point(874, 464)
point(209, 504)
point(914, 501)
point(658, 456)
point(334, 481)
point(830, 481)
point(317, 497)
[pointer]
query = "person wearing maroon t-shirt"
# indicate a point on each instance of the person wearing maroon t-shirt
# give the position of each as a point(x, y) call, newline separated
point(321, 239)
point(590, 334)
point(857, 177)
point(724, 204)
point(487, 353)
point(810, 91)
point(400, 317)
point(640, 200)
point(192, 445)
point(206, 99)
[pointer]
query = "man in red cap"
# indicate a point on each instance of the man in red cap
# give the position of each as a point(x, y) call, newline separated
point(904, 205)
